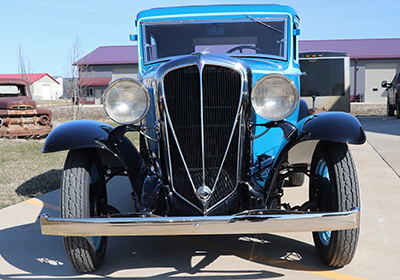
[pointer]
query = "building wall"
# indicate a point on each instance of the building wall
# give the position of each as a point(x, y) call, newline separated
point(45, 89)
point(97, 71)
point(60, 92)
point(93, 94)
point(367, 77)
point(130, 72)
point(111, 71)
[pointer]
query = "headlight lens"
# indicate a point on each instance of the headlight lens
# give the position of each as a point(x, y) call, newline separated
point(126, 101)
point(275, 97)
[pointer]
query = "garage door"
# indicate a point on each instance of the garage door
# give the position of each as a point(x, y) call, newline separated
point(375, 73)
point(46, 92)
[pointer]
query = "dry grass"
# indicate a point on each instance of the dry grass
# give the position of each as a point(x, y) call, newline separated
point(26, 172)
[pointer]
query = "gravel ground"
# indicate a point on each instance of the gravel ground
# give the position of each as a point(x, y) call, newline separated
point(368, 109)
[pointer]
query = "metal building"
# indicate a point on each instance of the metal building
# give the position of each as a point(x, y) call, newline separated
point(371, 61)
point(104, 65)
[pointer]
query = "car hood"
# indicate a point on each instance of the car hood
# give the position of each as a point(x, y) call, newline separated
point(20, 102)
point(258, 66)
point(265, 66)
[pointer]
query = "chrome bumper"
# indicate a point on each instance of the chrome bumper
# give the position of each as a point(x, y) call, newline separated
point(210, 225)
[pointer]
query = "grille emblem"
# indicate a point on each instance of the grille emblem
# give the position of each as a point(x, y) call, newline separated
point(204, 193)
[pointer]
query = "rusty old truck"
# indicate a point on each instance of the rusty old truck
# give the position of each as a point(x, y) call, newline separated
point(19, 116)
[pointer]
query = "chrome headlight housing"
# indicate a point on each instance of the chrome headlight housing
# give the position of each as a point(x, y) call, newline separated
point(126, 101)
point(275, 97)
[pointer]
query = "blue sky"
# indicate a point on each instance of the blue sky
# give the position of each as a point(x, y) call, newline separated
point(46, 29)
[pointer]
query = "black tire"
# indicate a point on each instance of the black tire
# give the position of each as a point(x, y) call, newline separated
point(397, 108)
point(390, 109)
point(83, 192)
point(297, 179)
point(334, 186)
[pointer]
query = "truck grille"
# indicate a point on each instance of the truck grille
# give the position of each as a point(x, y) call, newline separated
point(215, 95)
point(15, 107)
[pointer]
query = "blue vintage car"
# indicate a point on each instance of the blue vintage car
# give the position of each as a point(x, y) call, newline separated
point(223, 132)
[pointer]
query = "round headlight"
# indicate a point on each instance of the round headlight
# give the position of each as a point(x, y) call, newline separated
point(275, 97)
point(126, 101)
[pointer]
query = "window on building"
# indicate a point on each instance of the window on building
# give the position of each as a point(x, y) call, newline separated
point(89, 92)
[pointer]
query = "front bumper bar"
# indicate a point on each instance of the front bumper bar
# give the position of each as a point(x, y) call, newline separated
point(258, 222)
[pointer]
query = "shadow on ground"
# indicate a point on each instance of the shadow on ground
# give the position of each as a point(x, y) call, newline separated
point(41, 257)
point(43, 183)
point(381, 124)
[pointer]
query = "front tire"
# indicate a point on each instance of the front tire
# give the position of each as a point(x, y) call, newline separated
point(397, 108)
point(83, 192)
point(390, 109)
point(334, 187)
point(297, 179)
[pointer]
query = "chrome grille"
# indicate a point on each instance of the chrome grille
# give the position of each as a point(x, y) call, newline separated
point(203, 111)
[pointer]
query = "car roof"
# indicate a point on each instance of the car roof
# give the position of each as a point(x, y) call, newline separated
point(13, 81)
point(215, 10)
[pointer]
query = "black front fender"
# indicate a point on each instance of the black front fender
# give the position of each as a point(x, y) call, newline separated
point(333, 126)
point(85, 134)
point(329, 126)
point(77, 134)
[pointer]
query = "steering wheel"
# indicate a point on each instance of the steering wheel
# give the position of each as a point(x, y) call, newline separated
point(240, 48)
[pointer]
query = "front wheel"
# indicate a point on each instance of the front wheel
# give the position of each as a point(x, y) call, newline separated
point(83, 194)
point(334, 187)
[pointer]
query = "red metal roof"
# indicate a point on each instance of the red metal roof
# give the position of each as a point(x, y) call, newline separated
point(31, 78)
point(94, 82)
point(111, 55)
point(357, 48)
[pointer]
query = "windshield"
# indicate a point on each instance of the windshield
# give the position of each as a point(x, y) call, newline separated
point(12, 90)
point(247, 37)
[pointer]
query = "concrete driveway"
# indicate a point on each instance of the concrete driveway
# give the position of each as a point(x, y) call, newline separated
point(26, 254)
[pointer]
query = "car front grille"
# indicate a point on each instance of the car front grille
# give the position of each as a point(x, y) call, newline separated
point(203, 132)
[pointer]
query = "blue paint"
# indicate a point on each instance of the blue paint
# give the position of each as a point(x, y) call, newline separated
point(273, 141)
point(322, 170)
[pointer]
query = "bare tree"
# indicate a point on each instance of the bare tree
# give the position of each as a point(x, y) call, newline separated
point(75, 70)
point(24, 65)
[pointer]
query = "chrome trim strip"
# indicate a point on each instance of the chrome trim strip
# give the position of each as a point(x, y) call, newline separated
point(241, 140)
point(201, 64)
point(268, 18)
point(224, 159)
point(235, 124)
point(201, 225)
point(170, 164)
point(167, 115)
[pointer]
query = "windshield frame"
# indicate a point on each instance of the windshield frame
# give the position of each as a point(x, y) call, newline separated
point(16, 90)
point(262, 20)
